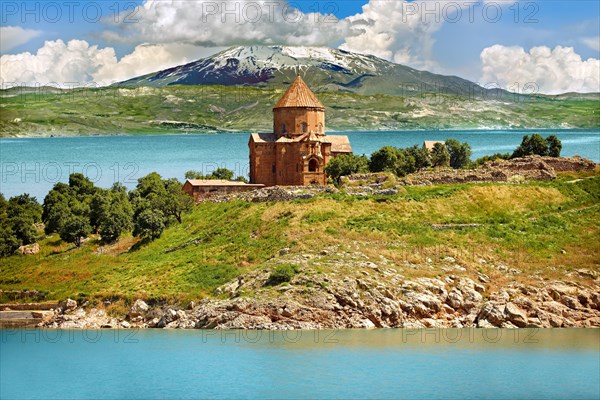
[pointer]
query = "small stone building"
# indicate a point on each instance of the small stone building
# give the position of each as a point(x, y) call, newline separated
point(203, 188)
point(298, 150)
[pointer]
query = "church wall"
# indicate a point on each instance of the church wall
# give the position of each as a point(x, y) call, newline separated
point(262, 160)
point(294, 117)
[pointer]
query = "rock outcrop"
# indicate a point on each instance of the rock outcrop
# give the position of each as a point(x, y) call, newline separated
point(378, 297)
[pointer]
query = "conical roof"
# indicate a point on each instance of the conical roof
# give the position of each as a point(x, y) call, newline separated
point(299, 95)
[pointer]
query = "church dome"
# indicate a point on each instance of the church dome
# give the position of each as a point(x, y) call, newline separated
point(299, 95)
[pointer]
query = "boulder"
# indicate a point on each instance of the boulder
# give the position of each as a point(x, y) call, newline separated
point(493, 313)
point(30, 249)
point(455, 299)
point(515, 315)
point(70, 304)
point(139, 307)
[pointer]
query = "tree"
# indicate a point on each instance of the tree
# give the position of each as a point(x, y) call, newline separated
point(191, 174)
point(56, 216)
point(149, 224)
point(534, 145)
point(22, 212)
point(222, 173)
point(24, 231)
point(176, 201)
point(384, 159)
point(3, 206)
point(346, 164)
point(440, 157)
point(219, 173)
point(75, 229)
point(241, 179)
point(8, 241)
point(81, 185)
point(420, 155)
point(460, 153)
point(115, 215)
point(554, 146)
point(25, 204)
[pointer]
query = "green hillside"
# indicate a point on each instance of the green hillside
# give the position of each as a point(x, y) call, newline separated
point(188, 108)
point(542, 229)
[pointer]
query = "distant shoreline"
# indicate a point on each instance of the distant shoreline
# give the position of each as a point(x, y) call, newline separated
point(246, 132)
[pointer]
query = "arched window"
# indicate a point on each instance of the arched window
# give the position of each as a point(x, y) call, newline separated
point(304, 127)
point(283, 130)
point(313, 165)
point(320, 127)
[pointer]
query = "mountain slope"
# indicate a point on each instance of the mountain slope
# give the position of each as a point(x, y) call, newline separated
point(324, 69)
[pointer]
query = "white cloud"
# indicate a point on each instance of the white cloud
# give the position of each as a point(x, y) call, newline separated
point(554, 71)
point(226, 23)
point(78, 63)
point(398, 31)
point(395, 31)
point(592, 42)
point(14, 36)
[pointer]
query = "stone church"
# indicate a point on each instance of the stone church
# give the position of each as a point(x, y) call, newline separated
point(298, 150)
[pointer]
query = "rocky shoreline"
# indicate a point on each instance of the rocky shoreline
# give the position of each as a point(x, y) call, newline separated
point(379, 297)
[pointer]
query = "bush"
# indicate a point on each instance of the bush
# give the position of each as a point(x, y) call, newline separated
point(440, 156)
point(219, 173)
point(149, 224)
point(534, 145)
point(384, 159)
point(346, 164)
point(460, 153)
point(554, 146)
point(484, 159)
point(75, 230)
point(281, 274)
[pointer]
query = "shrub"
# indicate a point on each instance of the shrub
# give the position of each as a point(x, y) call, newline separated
point(384, 159)
point(440, 157)
point(460, 153)
point(554, 146)
point(75, 230)
point(149, 224)
point(484, 159)
point(534, 145)
point(281, 274)
point(346, 164)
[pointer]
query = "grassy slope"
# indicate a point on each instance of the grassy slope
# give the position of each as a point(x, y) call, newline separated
point(220, 108)
point(523, 226)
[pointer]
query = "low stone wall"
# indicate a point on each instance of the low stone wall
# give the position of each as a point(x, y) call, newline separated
point(563, 164)
point(530, 168)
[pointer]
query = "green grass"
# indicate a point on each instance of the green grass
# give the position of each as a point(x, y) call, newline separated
point(545, 228)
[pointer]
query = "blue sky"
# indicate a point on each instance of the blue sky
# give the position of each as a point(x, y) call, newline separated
point(432, 35)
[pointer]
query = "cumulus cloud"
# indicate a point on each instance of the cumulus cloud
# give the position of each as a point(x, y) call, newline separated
point(395, 31)
point(14, 36)
point(226, 23)
point(77, 63)
point(398, 31)
point(554, 71)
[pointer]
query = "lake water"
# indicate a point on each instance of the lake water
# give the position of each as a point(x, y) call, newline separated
point(34, 165)
point(351, 364)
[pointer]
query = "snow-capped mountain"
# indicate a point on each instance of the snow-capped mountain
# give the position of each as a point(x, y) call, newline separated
point(322, 68)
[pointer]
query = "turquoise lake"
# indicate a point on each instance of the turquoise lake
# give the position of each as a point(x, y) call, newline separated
point(34, 165)
point(351, 364)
